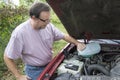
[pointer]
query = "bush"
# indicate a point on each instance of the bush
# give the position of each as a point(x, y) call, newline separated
point(10, 17)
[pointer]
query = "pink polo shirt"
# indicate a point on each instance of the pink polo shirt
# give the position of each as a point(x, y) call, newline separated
point(34, 47)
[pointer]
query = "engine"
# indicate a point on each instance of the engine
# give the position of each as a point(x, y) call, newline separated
point(105, 63)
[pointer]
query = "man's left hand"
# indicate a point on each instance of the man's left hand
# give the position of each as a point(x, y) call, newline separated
point(81, 46)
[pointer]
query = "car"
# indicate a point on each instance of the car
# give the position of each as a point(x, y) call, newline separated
point(95, 22)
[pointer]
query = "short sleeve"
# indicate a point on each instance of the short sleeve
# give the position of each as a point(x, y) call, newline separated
point(14, 47)
point(57, 33)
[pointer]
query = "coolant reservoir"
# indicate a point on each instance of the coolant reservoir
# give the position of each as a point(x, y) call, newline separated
point(91, 49)
point(71, 66)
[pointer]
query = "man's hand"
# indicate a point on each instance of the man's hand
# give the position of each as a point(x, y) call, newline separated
point(12, 67)
point(81, 46)
point(22, 77)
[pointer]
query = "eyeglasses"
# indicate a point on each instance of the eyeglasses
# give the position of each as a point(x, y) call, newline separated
point(46, 21)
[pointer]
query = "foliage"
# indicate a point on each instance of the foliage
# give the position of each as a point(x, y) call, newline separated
point(10, 17)
point(29, 2)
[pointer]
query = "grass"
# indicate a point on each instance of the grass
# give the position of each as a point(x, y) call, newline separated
point(58, 45)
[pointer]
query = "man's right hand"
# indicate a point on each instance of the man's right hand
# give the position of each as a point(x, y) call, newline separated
point(12, 67)
point(22, 77)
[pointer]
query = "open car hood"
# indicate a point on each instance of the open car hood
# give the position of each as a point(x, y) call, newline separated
point(96, 19)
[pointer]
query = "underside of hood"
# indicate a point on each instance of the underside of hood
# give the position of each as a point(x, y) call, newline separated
point(96, 19)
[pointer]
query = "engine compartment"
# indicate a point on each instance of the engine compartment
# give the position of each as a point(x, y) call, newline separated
point(105, 63)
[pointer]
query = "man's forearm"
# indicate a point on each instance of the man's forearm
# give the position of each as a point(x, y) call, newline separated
point(11, 65)
point(71, 39)
point(80, 46)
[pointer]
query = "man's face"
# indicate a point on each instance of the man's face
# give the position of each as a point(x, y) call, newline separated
point(43, 20)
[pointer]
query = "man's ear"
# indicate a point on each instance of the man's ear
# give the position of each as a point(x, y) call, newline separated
point(33, 17)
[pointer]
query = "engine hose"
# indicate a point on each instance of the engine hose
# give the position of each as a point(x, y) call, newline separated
point(98, 68)
point(86, 73)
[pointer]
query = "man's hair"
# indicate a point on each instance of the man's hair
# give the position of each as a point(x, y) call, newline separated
point(37, 8)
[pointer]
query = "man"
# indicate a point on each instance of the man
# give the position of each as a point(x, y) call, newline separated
point(32, 42)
